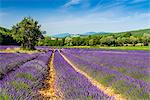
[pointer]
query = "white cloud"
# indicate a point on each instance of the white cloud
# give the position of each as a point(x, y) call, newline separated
point(108, 22)
point(72, 2)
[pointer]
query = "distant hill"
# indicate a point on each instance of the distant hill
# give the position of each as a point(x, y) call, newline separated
point(61, 35)
point(138, 32)
point(89, 33)
point(93, 33)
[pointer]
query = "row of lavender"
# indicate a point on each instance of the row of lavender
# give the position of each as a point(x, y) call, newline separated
point(23, 83)
point(45, 48)
point(10, 61)
point(6, 47)
point(112, 68)
point(73, 85)
point(131, 63)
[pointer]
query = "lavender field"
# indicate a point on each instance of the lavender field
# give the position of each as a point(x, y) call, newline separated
point(74, 74)
point(74, 49)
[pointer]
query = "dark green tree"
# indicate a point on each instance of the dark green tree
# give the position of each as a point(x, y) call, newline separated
point(146, 39)
point(133, 40)
point(27, 32)
point(128, 34)
point(109, 41)
point(63, 41)
point(1, 38)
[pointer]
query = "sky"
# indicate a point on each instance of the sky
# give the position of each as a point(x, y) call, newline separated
point(78, 16)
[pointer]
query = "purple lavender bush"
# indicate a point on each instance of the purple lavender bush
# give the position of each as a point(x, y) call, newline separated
point(72, 84)
point(24, 82)
point(2, 47)
point(131, 63)
point(98, 64)
point(10, 61)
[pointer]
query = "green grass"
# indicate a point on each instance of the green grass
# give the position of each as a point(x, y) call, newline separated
point(129, 91)
point(19, 85)
point(128, 48)
point(107, 79)
point(19, 50)
point(89, 98)
point(111, 48)
point(26, 76)
point(139, 76)
point(119, 69)
point(4, 97)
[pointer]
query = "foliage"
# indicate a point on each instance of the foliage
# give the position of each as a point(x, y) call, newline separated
point(68, 41)
point(48, 41)
point(27, 32)
point(109, 40)
point(146, 39)
point(6, 38)
point(130, 38)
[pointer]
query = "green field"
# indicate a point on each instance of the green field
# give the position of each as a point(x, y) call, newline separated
point(113, 48)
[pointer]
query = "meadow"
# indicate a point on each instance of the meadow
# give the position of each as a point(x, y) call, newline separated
point(74, 74)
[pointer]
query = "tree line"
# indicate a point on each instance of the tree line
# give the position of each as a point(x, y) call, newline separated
point(6, 38)
point(116, 39)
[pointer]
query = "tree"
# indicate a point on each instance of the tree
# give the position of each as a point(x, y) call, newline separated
point(146, 39)
point(125, 40)
point(119, 41)
point(133, 40)
point(63, 41)
point(44, 41)
point(91, 42)
point(76, 41)
point(56, 42)
point(1, 38)
point(109, 40)
point(68, 41)
point(27, 32)
point(128, 34)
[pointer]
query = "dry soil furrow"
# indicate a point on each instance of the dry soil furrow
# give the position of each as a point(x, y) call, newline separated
point(49, 93)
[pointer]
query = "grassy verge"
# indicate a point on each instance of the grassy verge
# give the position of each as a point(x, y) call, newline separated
point(147, 48)
point(19, 50)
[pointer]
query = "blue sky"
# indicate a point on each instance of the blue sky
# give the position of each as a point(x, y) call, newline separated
point(78, 16)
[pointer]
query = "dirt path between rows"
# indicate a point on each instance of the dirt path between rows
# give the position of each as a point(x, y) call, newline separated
point(106, 90)
point(50, 91)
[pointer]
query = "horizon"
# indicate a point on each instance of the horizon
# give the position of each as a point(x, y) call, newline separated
point(99, 32)
point(78, 16)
